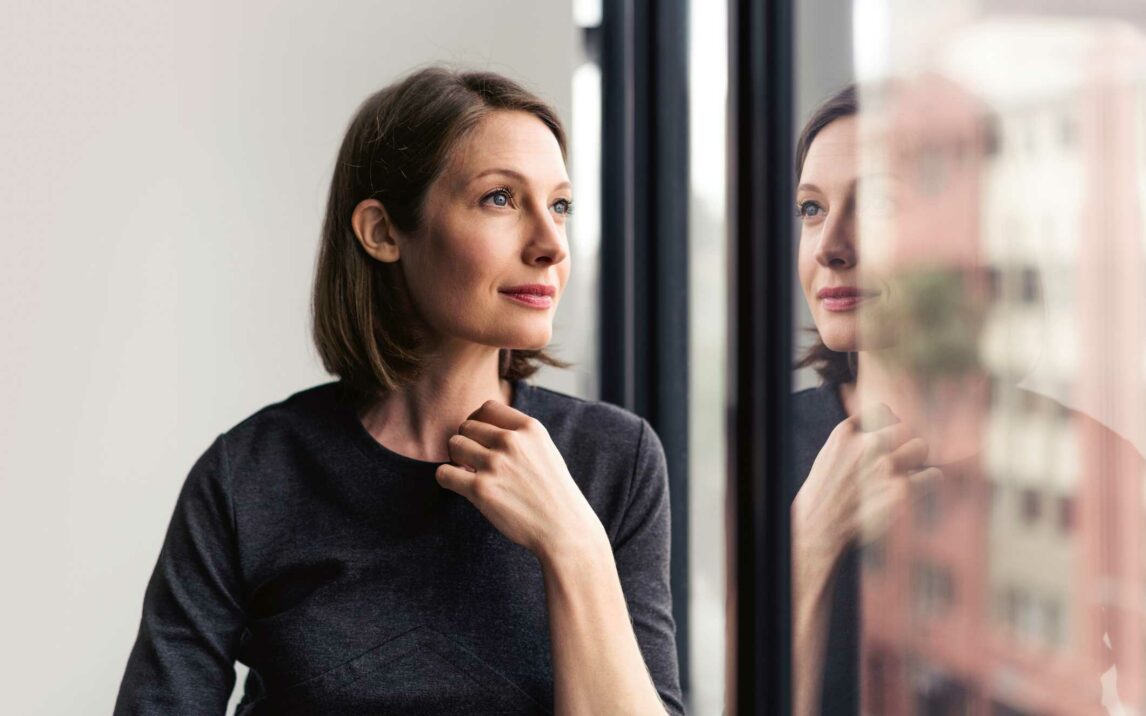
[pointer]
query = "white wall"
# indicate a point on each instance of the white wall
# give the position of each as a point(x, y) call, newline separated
point(165, 168)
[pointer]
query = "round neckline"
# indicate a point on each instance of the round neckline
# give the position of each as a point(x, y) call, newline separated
point(372, 450)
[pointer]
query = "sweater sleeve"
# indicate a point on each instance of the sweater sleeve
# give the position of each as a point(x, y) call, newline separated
point(183, 658)
point(641, 552)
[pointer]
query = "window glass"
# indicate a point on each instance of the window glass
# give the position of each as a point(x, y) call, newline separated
point(970, 283)
point(708, 61)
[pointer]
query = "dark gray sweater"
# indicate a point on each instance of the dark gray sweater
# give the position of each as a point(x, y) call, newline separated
point(816, 412)
point(351, 583)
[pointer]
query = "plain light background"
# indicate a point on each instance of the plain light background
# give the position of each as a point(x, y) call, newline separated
point(165, 171)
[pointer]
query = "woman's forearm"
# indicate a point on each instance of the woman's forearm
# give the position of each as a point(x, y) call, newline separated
point(813, 565)
point(597, 664)
point(812, 609)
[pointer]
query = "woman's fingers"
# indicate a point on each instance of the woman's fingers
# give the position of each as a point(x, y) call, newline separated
point(888, 439)
point(467, 452)
point(873, 418)
point(485, 434)
point(501, 415)
point(879, 501)
point(877, 506)
point(925, 477)
point(457, 479)
point(910, 455)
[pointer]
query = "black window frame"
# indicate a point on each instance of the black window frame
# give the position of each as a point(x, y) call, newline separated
point(761, 98)
point(643, 340)
point(644, 302)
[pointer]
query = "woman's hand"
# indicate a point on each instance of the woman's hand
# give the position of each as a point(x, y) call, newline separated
point(856, 482)
point(506, 464)
point(866, 468)
point(509, 468)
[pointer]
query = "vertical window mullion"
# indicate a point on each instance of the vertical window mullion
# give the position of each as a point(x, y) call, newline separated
point(644, 248)
point(760, 156)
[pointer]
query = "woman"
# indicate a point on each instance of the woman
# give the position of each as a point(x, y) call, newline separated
point(836, 458)
point(430, 533)
point(903, 413)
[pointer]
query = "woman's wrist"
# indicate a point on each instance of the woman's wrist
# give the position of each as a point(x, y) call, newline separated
point(576, 550)
point(815, 554)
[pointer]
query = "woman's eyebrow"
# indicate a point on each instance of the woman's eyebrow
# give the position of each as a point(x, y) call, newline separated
point(514, 175)
point(857, 181)
point(498, 170)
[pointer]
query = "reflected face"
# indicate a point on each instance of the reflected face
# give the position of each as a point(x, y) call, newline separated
point(830, 199)
point(910, 201)
point(490, 262)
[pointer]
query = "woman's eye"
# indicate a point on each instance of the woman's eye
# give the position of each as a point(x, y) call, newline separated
point(809, 209)
point(498, 197)
point(563, 207)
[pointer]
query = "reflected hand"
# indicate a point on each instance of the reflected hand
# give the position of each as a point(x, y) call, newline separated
point(855, 484)
point(505, 463)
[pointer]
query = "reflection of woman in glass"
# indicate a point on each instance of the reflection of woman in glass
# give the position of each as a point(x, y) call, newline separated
point(903, 413)
point(429, 534)
point(837, 458)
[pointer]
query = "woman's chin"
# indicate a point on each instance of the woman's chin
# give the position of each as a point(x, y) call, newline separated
point(840, 343)
point(532, 341)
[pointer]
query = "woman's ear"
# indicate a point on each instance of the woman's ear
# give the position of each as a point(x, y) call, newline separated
point(374, 230)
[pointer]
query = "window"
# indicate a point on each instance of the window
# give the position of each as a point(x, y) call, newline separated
point(927, 506)
point(1015, 137)
point(932, 589)
point(1032, 505)
point(1065, 505)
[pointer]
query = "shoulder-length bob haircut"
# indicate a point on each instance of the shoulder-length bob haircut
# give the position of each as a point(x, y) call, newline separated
point(400, 140)
point(832, 366)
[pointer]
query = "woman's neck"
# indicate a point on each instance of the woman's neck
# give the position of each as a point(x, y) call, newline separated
point(417, 419)
point(949, 413)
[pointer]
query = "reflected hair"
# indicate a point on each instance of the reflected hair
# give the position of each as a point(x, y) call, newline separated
point(832, 366)
point(364, 324)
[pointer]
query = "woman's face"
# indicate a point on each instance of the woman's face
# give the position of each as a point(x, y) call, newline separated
point(912, 197)
point(490, 261)
point(828, 260)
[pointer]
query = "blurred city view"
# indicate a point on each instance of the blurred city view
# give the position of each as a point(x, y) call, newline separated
point(1015, 583)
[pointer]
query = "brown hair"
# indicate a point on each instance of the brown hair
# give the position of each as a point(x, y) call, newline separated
point(364, 325)
point(832, 366)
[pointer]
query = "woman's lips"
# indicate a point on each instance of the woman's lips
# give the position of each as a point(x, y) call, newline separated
point(533, 296)
point(844, 298)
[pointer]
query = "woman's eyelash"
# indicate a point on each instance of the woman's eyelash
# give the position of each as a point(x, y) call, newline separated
point(803, 206)
point(499, 191)
point(508, 194)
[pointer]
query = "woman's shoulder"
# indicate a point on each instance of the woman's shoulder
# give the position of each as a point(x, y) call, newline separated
point(815, 413)
point(304, 414)
point(1027, 404)
point(818, 408)
point(604, 445)
point(614, 455)
point(563, 413)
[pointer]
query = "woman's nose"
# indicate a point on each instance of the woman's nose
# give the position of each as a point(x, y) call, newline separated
point(548, 245)
point(836, 248)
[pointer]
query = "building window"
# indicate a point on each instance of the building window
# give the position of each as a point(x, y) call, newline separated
point(927, 507)
point(995, 281)
point(1030, 284)
point(1067, 130)
point(1066, 514)
point(875, 554)
point(992, 135)
point(933, 589)
point(1052, 622)
point(1032, 506)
